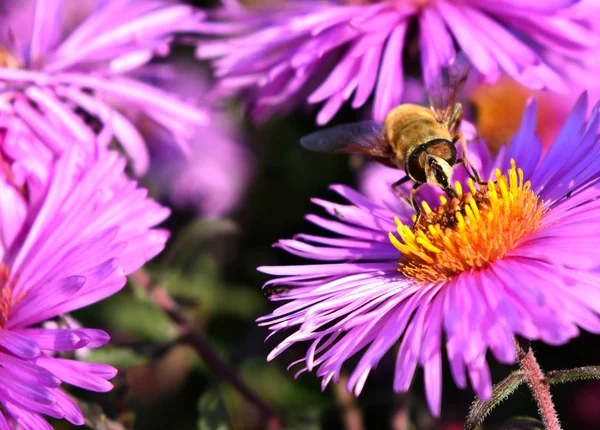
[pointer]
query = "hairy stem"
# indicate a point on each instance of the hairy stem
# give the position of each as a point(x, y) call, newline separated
point(223, 370)
point(538, 384)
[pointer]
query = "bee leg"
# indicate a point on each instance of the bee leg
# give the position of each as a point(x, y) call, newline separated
point(451, 193)
point(411, 201)
point(399, 193)
point(414, 204)
point(473, 173)
point(400, 182)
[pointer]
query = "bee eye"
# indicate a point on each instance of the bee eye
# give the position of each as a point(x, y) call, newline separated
point(415, 165)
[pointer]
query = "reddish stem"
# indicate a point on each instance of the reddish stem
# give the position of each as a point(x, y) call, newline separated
point(161, 298)
point(539, 386)
point(351, 412)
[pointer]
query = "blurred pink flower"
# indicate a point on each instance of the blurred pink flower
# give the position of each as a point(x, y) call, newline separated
point(331, 51)
point(62, 78)
point(584, 404)
point(213, 176)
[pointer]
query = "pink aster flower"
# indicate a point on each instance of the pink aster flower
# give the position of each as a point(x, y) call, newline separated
point(62, 77)
point(212, 178)
point(60, 250)
point(330, 52)
point(515, 257)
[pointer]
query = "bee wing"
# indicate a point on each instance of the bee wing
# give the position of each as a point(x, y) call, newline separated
point(444, 88)
point(364, 136)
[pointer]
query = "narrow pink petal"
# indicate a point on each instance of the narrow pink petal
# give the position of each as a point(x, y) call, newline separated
point(28, 372)
point(391, 77)
point(479, 55)
point(32, 392)
point(481, 380)
point(29, 420)
point(3, 423)
point(12, 215)
point(71, 410)
point(46, 28)
point(91, 376)
point(40, 126)
point(56, 339)
point(73, 124)
point(19, 345)
point(44, 297)
point(437, 46)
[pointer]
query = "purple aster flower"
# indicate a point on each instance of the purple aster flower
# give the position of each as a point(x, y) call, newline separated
point(329, 52)
point(515, 257)
point(61, 250)
point(62, 78)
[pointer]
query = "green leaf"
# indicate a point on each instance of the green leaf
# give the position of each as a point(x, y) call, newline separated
point(118, 356)
point(212, 296)
point(279, 388)
point(480, 410)
point(134, 315)
point(571, 375)
point(523, 423)
point(193, 237)
point(212, 413)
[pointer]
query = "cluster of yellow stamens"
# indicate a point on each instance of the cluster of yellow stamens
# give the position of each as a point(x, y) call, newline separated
point(468, 232)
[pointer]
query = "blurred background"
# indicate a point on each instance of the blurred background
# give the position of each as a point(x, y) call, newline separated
point(261, 182)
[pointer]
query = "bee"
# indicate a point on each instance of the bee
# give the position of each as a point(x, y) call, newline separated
point(420, 140)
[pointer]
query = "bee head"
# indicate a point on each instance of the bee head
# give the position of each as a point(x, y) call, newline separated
point(438, 172)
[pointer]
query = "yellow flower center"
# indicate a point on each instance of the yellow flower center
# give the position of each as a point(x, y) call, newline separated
point(471, 231)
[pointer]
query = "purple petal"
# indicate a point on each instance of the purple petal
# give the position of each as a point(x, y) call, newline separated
point(44, 297)
point(57, 339)
point(29, 392)
point(90, 376)
point(390, 85)
point(28, 420)
point(19, 345)
point(70, 409)
point(28, 372)
point(12, 215)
